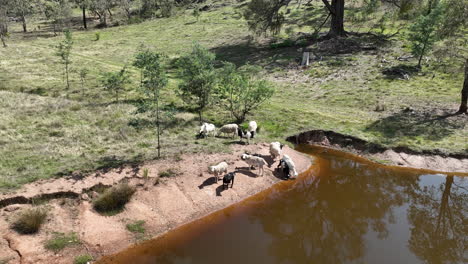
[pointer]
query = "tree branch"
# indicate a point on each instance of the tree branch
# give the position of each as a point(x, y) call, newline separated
point(329, 7)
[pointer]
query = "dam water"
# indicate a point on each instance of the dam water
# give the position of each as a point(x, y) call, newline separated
point(344, 209)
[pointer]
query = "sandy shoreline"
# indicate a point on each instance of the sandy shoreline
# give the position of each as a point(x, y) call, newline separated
point(174, 201)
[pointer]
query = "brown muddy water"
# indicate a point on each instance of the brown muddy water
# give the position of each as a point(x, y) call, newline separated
point(344, 209)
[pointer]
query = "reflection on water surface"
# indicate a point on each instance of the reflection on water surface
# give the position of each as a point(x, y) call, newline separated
point(343, 210)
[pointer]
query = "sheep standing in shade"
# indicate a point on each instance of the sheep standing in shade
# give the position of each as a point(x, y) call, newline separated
point(254, 161)
point(275, 150)
point(252, 128)
point(218, 169)
point(229, 129)
point(206, 129)
point(292, 167)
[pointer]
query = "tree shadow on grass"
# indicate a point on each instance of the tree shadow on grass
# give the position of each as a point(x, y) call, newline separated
point(400, 71)
point(423, 124)
point(243, 52)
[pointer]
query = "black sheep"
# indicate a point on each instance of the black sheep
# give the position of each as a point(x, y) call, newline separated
point(228, 178)
point(282, 164)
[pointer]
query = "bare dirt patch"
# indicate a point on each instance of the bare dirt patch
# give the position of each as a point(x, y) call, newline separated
point(187, 193)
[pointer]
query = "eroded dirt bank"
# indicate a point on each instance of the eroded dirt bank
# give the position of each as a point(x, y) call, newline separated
point(173, 201)
point(400, 156)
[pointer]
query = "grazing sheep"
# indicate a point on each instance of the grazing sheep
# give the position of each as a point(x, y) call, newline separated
point(218, 169)
point(254, 161)
point(228, 178)
point(292, 167)
point(275, 150)
point(244, 134)
point(252, 128)
point(206, 129)
point(229, 129)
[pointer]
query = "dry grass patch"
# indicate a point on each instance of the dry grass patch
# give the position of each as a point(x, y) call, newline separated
point(29, 221)
point(113, 200)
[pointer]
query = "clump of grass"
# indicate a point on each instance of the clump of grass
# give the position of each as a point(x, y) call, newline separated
point(114, 199)
point(97, 36)
point(5, 260)
point(29, 221)
point(60, 241)
point(83, 259)
point(167, 173)
point(145, 173)
point(137, 227)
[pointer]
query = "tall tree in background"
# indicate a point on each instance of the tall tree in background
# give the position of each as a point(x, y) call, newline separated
point(83, 4)
point(199, 78)
point(267, 16)
point(64, 51)
point(21, 9)
point(454, 48)
point(58, 11)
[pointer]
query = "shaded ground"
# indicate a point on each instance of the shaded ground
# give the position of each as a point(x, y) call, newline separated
point(190, 193)
point(434, 160)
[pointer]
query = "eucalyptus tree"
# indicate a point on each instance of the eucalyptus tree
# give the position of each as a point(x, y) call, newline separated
point(63, 52)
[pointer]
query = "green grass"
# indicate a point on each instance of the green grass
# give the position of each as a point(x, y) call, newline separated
point(29, 221)
point(83, 259)
point(59, 241)
point(136, 227)
point(44, 135)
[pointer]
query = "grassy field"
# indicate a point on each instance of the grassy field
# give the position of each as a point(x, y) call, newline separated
point(43, 134)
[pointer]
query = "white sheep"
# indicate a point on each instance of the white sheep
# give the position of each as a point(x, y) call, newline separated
point(275, 150)
point(254, 161)
point(252, 128)
point(206, 129)
point(229, 129)
point(218, 169)
point(291, 165)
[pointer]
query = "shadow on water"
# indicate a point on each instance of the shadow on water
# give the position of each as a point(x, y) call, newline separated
point(410, 123)
point(343, 211)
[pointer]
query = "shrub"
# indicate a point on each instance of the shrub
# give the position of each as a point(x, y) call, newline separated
point(60, 241)
point(167, 173)
point(136, 227)
point(83, 259)
point(114, 199)
point(29, 221)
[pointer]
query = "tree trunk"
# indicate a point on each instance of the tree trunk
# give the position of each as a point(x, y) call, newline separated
point(337, 22)
point(3, 41)
point(84, 18)
point(200, 115)
point(68, 81)
point(23, 19)
point(157, 125)
point(464, 92)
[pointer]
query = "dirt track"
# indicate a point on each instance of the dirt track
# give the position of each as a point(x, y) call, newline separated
point(190, 194)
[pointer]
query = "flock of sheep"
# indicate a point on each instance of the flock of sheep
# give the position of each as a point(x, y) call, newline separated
point(286, 164)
